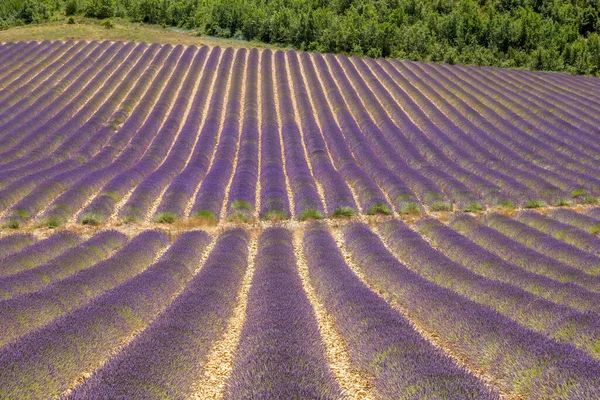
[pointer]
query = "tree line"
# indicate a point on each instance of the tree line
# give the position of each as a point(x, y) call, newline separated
point(557, 35)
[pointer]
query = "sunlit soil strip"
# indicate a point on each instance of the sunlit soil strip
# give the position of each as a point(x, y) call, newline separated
point(220, 359)
point(432, 337)
point(352, 383)
point(192, 201)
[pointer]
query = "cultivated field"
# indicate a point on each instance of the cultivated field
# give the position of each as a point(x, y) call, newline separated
point(201, 222)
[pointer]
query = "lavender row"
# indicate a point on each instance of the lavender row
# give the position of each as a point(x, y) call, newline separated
point(210, 195)
point(13, 243)
point(274, 201)
point(544, 244)
point(76, 108)
point(77, 258)
point(28, 312)
point(138, 206)
point(460, 130)
point(483, 262)
point(513, 251)
point(519, 360)
point(83, 340)
point(30, 90)
point(183, 187)
point(18, 69)
point(475, 120)
point(534, 312)
point(337, 195)
point(162, 126)
point(128, 145)
point(370, 197)
point(585, 241)
point(382, 343)
point(37, 253)
point(345, 107)
point(60, 146)
point(179, 340)
point(307, 201)
point(573, 218)
point(280, 354)
point(16, 122)
point(242, 191)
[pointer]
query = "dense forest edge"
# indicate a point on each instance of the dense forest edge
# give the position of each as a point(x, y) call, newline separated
point(558, 35)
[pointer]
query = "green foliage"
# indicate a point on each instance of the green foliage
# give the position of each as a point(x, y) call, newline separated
point(91, 219)
point(534, 203)
point(71, 21)
point(107, 24)
point(310, 213)
point(344, 212)
point(558, 35)
point(165, 218)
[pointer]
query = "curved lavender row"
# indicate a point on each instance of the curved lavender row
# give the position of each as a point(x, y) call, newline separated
point(16, 120)
point(337, 195)
point(460, 130)
point(14, 243)
point(307, 201)
point(547, 122)
point(145, 194)
point(12, 56)
point(84, 255)
point(395, 188)
point(594, 212)
point(394, 142)
point(565, 233)
point(369, 195)
point(38, 253)
point(129, 146)
point(44, 78)
point(93, 113)
point(483, 262)
point(30, 311)
point(242, 191)
point(178, 341)
point(561, 323)
point(69, 106)
point(210, 195)
point(573, 218)
point(522, 153)
point(544, 244)
point(52, 181)
point(85, 338)
point(91, 135)
point(513, 251)
point(18, 67)
point(274, 201)
point(162, 125)
point(183, 187)
point(381, 342)
point(520, 361)
point(74, 131)
point(437, 144)
point(280, 354)
point(526, 121)
point(577, 112)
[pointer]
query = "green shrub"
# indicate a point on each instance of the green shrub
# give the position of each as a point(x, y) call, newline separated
point(310, 213)
point(100, 9)
point(344, 212)
point(107, 24)
point(534, 203)
point(71, 8)
point(71, 21)
point(165, 218)
point(91, 219)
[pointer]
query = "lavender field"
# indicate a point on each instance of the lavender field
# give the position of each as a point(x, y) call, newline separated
point(182, 222)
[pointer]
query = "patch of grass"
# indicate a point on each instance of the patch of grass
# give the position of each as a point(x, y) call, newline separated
point(205, 214)
point(107, 24)
point(236, 204)
point(507, 204)
point(12, 224)
point(578, 192)
point(590, 200)
point(410, 208)
point(441, 206)
point(50, 222)
point(20, 213)
point(71, 21)
point(310, 213)
point(91, 219)
point(165, 218)
point(379, 208)
point(274, 215)
point(344, 212)
point(564, 203)
point(534, 203)
point(473, 207)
